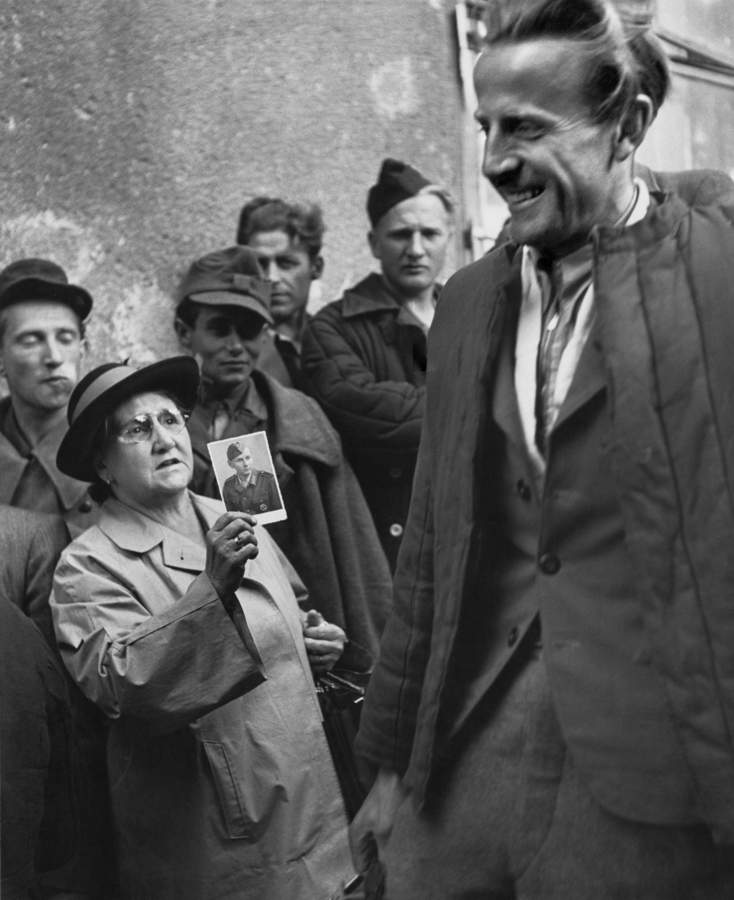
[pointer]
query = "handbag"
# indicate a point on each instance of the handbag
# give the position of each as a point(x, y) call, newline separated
point(341, 693)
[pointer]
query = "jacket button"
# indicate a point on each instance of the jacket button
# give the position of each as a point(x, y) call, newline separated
point(549, 563)
point(395, 473)
point(396, 530)
point(523, 490)
point(85, 506)
point(513, 636)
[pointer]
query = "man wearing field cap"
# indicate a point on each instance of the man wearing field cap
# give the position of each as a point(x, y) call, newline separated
point(221, 319)
point(364, 356)
point(42, 320)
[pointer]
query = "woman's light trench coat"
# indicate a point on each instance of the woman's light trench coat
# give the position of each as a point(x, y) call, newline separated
point(221, 779)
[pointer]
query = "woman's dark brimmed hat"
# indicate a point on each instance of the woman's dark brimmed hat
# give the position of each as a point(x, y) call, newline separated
point(100, 393)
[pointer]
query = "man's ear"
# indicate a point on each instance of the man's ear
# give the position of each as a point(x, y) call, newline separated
point(183, 331)
point(633, 127)
point(374, 246)
point(317, 267)
point(101, 469)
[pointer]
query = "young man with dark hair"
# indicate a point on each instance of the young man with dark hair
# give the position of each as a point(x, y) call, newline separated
point(365, 355)
point(221, 319)
point(287, 239)
point(41, 346)
point(555, 690)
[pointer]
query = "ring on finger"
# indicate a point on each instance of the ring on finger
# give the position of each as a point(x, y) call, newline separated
point(238, 540)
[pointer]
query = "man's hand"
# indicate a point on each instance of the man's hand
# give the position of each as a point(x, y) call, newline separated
point(324, 642)
point(374, 822)
point(230, 542)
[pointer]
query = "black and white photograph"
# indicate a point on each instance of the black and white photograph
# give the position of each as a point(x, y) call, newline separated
point(244, 470)
point(367, 450)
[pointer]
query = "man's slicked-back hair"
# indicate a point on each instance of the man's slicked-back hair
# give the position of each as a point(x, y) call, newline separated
point(301, 222)
point(623, 56)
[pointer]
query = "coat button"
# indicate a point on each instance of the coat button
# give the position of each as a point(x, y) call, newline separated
point(523, 490)
point(513, 636)
point(85, 506)
point(396, 473)
point(396, 530)
point(549, 563)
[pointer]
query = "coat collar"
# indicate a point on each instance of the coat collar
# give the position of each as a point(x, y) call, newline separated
point(368, 297)
point(296, 424)
point(371, 296)
point(69, 490)
point(134, 532)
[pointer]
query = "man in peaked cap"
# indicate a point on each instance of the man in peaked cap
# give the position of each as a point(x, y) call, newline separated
point(364, 356)
point(221, 319)
point(249, 490)
point(42, 320)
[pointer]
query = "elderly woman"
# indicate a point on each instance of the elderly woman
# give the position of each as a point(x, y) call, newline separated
point(181, 622)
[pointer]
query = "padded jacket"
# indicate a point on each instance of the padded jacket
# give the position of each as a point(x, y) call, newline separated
point(364, 360)
point(664, 293)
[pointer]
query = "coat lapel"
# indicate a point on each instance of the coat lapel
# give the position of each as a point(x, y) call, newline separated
point(136, 533)
point(589, 378)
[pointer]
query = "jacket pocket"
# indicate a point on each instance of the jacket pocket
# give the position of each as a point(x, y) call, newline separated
point(230, 801)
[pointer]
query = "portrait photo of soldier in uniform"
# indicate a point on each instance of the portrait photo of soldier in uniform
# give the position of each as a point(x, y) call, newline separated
point(246, 478)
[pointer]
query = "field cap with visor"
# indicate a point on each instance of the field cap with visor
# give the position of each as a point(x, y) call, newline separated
point(41, 279)
point(396, 182)
point(100, 393)
point(230, 277)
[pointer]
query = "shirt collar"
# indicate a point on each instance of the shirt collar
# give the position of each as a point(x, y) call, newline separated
point(575, 268)
point(245, 397)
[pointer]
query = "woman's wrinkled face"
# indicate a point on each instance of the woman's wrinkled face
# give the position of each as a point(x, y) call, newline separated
point(146, 472)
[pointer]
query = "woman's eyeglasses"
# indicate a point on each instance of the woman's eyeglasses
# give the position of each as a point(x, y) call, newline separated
point(140, 428)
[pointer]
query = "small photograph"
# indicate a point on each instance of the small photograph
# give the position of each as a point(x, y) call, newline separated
point(246, 476)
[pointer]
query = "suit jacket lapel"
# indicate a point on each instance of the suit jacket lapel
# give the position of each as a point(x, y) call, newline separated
point(505, 409)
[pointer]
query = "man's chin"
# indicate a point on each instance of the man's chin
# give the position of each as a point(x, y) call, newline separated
point(232, 379)
point(413, 285)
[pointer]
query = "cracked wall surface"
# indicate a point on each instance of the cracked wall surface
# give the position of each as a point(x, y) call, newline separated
point(132, 132)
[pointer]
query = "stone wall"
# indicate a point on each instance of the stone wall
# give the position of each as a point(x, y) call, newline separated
point(132, 132)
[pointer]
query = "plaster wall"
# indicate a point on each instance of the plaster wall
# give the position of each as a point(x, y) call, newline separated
point(132, 131)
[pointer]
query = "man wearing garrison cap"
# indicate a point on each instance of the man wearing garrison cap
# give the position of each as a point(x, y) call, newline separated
point(249, 490)
point(364, 356)
point(222, 317)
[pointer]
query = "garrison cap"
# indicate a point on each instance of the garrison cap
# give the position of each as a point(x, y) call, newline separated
point(396, 182)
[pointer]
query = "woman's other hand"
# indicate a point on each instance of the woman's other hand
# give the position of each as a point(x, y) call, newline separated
point(324, 642)
point(230, 542)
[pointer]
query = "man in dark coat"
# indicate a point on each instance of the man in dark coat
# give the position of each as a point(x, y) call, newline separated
point(38, 815)
point(329, 535)
point(249, 490)
point(555, 688)
point(364, 357)
point(41, 344)
point(31, 545)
